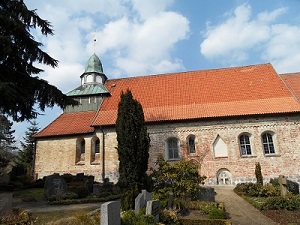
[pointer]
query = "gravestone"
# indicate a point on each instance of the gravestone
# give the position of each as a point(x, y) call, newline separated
point(141, 200)
point(110, 213)
point(293, 187)
point(5, 204)
point(170, 200)
point(89, 183)
point(55, 186)
point(4, 178)
point(80, 177)
point(147, 196)
point(153, 208)
point(207, 194)
point(283, 185)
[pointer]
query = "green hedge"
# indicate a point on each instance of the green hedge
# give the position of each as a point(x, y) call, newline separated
point(185, 221)
point(85, 200)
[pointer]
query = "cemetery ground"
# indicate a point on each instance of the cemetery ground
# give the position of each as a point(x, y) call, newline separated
point(32, 200)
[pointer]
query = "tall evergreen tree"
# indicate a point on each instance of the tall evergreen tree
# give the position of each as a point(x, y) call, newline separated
point(20, 88)
point(133, 143)
point(26, 154)
point(7, 141)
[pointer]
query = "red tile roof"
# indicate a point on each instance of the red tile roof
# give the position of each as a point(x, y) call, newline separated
point(246, 90)
point(69, 123)
point(292, 80)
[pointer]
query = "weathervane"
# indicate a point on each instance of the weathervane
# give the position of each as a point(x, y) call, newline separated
point(95, 40)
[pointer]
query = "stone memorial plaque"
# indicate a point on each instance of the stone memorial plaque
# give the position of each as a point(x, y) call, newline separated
point(55, 186)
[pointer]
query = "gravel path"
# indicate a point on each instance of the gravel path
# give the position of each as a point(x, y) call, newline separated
point(239, 210)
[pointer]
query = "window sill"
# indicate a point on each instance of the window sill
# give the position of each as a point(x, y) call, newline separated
point(272, 155)
point(80, 163)
point(173, 160)
point(221, 157)
point(248, 156)
point(95, 163)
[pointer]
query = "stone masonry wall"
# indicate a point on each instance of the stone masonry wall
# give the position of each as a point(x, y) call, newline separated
point(241, 169)
point(58, 154)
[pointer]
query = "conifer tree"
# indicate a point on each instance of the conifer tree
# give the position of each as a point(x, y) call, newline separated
point(258, 174)
point(26, 154)
point(20, 87)
point(133, 143)
point(7, 141)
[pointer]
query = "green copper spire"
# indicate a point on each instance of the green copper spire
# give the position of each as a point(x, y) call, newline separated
point(94, 65)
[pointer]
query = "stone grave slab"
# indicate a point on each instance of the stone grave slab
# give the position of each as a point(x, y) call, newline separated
point(110, 213)
point(55, 186)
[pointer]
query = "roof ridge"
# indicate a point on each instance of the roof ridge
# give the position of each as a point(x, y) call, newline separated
point(185, 72)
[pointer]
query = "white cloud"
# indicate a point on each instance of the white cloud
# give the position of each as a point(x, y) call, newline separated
point(234, 40)
point(283, 49)
point(147, 9)
point(136, 37)
point(138, 48)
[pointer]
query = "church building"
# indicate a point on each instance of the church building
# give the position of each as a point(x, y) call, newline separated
point(225, 120)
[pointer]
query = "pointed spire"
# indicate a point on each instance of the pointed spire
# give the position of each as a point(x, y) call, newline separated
point(94, 65)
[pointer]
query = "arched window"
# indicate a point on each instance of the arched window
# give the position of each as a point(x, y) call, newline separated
point(245, 146)
point(268, 144)
point(191, 144)
point(82, 147)
point(80, 151)
point(173, 149)
point(97, 146)
point(89, 78)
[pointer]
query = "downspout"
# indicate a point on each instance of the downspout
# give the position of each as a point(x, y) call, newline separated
point(33, 161)
point(103, 154)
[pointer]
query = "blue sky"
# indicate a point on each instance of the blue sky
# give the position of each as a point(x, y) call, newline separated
point(143, 37)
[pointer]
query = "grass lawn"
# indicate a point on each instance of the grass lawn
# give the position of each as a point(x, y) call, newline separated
point(66, 217)
point(29, 194)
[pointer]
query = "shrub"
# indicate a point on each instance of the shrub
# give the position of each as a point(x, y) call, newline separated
point(258, 174)
point(292, 186)
point(19, 217)
point(269, 190)
point(182, 178)
point(128, 198)
point(81, 192)
point(189, 221)
point(168, 217)
point(251, 189)
point(216, 213)
point(289, 202)
point(130, 218)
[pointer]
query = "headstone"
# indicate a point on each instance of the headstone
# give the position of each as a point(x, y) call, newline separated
point(293, 187)
point(170, 200)
point(153, 208)
point(147, 196)
point(110, 213)
point(141, 200)
point(4, 178)
point(283, 185)
point(80, 177)
point(5, 204)
point(55, 186)
point(207, 194)
point(89, 183)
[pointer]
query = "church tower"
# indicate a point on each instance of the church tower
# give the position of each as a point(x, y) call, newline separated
point(91, 92)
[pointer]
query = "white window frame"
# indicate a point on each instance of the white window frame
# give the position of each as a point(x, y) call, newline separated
point(175, 147)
